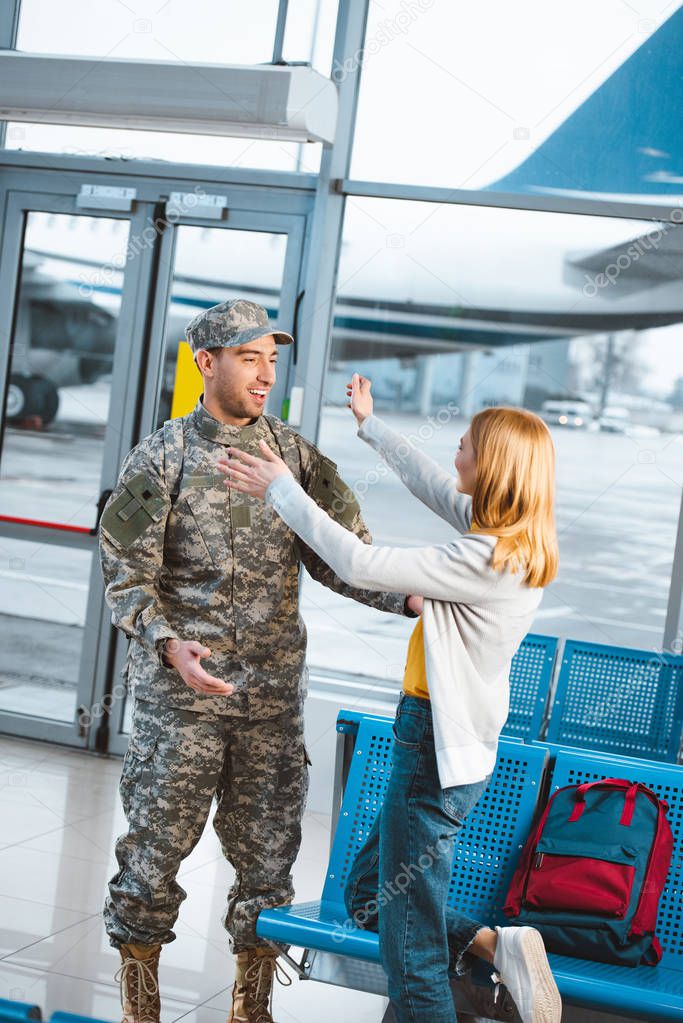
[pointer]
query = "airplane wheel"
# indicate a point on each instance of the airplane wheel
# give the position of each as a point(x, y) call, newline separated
point(32, 401)
point(17, 394)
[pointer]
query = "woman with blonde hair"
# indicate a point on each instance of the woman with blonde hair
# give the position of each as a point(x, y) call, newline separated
point(478, 597)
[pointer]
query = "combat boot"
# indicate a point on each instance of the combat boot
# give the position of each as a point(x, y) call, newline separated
point(252, 993)
point(138, 976)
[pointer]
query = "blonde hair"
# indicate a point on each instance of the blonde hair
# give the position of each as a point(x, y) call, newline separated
point(514, 491)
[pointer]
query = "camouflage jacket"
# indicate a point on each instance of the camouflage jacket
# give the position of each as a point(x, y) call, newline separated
point(218, 566)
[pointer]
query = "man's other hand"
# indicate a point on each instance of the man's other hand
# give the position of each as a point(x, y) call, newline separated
point(186, 657)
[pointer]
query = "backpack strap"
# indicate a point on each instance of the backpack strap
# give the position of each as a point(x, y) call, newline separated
point(283, 441)
point(174, 450)
point(632, 789)
point(613, 783)
point(654, 953)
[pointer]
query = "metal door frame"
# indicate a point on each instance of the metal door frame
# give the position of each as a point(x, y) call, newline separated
point(135, 377)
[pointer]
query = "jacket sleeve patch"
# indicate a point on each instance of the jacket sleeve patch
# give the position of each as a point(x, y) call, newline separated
point(139, 505)
point(331, 493)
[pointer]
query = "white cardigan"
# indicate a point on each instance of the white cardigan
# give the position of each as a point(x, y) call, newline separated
point(474, 617)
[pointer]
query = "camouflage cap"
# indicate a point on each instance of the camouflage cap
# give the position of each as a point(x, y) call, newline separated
point(230, 324)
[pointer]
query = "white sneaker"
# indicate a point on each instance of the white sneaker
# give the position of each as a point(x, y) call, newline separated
point(522, 966)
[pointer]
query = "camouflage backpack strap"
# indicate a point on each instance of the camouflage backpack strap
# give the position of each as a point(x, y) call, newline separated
point(174, 451)
point(284, 442)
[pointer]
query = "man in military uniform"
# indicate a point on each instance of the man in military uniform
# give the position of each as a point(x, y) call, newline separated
point(195, 573)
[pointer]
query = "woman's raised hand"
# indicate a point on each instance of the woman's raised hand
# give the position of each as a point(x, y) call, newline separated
point(249, 474)
point(358, 391)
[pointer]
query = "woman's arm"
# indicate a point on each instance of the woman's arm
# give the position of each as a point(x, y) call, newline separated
point(421, 474)
point(454, 572)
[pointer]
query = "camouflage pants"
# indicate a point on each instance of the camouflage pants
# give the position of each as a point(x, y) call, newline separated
point(175, 763)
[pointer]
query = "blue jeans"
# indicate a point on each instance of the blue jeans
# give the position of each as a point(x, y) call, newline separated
point(399, 881)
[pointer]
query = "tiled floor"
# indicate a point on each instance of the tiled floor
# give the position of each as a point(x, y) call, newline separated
point(59, 817)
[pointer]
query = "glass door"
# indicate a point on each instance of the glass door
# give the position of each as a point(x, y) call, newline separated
point(67, 310)
point(93, 305)
point(258, 257)
point(253, 255)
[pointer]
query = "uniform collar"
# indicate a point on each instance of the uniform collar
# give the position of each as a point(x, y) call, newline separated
point(226, 433)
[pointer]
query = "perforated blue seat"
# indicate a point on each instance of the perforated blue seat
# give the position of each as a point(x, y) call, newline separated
point(530, 675)
point(485, 856)
point(646, 992)
point(619, 700)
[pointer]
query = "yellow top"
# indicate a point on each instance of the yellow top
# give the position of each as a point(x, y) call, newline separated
point(415, 676)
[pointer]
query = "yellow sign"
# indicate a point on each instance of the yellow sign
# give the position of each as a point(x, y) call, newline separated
point(188, 382)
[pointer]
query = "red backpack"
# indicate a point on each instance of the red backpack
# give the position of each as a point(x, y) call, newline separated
point(592, 872)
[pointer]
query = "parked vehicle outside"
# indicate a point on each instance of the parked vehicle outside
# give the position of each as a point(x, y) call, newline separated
point(575, 414)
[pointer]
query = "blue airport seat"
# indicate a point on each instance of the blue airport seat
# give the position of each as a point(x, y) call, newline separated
point(618, 700)
point(554, 748)
point(339, 953)
point(70, 1017)
point(531, 673)
point(13, 1012)
point(485, 857)
point(645, 992)
point(349, 721)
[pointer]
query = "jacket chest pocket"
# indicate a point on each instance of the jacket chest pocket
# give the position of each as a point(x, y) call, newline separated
point(211, 520)
point(275, 540)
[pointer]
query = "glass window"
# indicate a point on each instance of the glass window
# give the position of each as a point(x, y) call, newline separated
point(449, 309)
point(57, 403)
point(213, 265)
point(538, 104)
point(310, 33)
point(214, 33)
point(148, 30)
point(43, 597)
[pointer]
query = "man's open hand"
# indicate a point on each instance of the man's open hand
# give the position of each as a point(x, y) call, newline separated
point(185, 657)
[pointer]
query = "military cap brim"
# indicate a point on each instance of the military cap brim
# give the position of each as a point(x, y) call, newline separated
point(248, 334)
